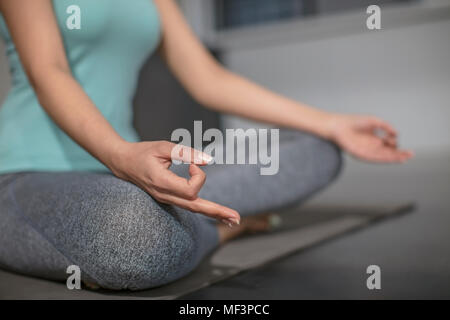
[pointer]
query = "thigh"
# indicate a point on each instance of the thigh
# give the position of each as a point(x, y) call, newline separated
point(306, 165)
point(115, 232)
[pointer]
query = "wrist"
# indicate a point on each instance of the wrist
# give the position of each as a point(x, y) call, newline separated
point(330, 125)
point(117, 156)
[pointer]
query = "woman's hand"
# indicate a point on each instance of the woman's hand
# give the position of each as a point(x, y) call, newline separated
point(368, 138)
point(146, 164)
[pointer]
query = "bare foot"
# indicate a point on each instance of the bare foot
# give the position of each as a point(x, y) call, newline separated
point(91, 286)
point(252, 224)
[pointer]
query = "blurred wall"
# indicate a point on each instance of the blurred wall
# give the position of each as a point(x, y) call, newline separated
point(400, 73)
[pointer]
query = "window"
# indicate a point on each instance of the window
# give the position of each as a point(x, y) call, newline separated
point(239, 13)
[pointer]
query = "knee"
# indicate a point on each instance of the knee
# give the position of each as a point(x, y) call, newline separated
point(140, 245)
point(320, 160)
point(328, 161)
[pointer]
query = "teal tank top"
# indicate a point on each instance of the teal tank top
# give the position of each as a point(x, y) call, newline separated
point(105, 56)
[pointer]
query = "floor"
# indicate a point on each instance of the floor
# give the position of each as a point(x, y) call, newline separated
point(413, 251)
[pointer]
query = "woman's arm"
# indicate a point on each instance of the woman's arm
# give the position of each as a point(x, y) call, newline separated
point(35, 33)
point(217, 88)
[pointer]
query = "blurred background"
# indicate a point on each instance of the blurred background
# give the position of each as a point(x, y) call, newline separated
point(320, 52)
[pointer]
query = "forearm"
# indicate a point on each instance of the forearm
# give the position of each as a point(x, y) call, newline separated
point(231, 93)
point(71, 109)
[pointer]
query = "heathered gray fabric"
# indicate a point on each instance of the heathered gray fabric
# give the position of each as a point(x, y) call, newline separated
point(121, 238)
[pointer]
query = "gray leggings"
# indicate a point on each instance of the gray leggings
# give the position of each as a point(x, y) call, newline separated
point(121, 238)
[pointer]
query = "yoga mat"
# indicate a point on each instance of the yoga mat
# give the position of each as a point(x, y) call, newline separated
point(302, 228)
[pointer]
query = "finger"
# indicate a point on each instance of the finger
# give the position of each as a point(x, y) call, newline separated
point(198, 177)
point(178, 152)
point(169, 182)
point(181, 187)
point(383, 125)
point(390, 141)
point(387, 155)
point(403, 155)
point(395, 154)
point(391, 156)
point(205, 207)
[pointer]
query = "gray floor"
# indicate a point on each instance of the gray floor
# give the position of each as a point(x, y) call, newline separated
point(413, 251)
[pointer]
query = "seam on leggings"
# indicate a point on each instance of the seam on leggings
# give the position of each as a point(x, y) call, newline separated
point(18, 211)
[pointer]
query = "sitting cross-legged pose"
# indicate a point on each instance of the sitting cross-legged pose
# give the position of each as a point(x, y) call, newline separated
point(77, 187)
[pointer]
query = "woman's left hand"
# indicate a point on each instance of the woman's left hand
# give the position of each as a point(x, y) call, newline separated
point(367, 138)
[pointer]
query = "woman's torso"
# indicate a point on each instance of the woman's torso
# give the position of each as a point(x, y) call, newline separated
point(105, 56)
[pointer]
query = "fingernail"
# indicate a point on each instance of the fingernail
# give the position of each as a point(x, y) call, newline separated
point(206, 157)
point(227, 222)
point(231, 221)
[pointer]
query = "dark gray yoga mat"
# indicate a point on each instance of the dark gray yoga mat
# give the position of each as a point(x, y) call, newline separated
point(302, 229)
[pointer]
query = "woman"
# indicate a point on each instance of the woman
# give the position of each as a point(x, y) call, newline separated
point(76, 186)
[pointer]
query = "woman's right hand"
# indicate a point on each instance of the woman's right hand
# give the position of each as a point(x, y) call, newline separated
point(146, 164)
